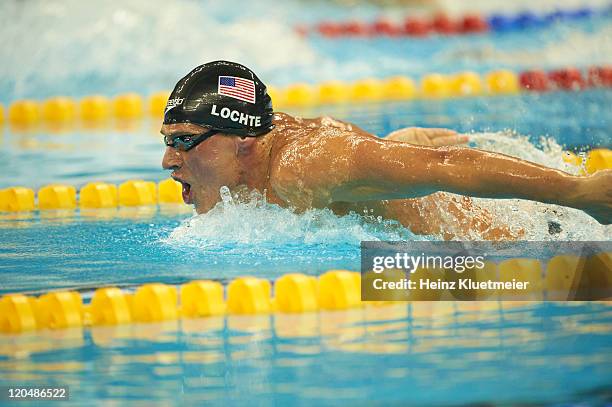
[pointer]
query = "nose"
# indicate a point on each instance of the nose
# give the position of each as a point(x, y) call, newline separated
point(172, 159)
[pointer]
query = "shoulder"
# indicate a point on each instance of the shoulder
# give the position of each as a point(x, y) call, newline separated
point(318, 145)
point(313, 163)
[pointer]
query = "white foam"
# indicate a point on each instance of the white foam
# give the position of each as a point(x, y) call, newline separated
point(255, 222)
point(66, 47)
point(508, 142)
point(54, 47)
point(533, 217)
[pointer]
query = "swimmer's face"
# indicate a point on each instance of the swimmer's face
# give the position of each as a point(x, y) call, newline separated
point(203, 169)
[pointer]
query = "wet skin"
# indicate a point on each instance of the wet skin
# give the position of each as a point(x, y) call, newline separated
point(318, 163)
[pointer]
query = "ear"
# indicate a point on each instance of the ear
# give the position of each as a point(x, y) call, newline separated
point(244, 145)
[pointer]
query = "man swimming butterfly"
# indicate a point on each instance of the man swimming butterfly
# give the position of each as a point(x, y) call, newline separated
point(220, 130)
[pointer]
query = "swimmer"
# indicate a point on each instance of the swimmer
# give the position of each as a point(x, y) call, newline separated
point(220, 130)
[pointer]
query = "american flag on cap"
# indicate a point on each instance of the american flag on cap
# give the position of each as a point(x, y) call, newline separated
point(237, 88)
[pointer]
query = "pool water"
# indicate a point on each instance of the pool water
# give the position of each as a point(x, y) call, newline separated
point(408, 354)
point(107, 53)
point(131, 246)
point(421, 354)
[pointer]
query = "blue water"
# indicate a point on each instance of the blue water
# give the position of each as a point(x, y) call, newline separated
point(110, 51)
point(427, 354)
point(78, 252)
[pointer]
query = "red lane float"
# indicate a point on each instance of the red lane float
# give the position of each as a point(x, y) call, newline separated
point(355, 28)
point(567, 79)
point(412, 26)
point(416, 27)
point(327, 29)
point(445, 25)
point(385, 27)
point(473, 23)
point(535, 81)
point(442, 24)
point(600, 76)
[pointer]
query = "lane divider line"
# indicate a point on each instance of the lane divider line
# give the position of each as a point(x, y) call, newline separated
point(292, 293)
point(140, 193)
point(94, 109)
point(413, 26)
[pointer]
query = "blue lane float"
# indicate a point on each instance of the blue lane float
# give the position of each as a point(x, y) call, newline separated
point(442, 24)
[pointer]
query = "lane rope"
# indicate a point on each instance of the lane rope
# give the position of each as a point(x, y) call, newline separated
point(59, 110)
point(140, 193)
point(442, 24)
point(292, 293)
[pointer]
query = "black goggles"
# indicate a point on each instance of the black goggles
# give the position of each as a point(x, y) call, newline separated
point(188, 141)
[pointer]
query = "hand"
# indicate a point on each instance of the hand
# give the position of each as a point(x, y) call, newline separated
point(428, 137)
point(596, 196)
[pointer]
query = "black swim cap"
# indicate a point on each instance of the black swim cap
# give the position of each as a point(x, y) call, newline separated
point(223, 95)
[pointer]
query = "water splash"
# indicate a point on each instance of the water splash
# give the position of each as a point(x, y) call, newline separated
point(549, 152)
point(111, 50)
point(540, 221)
point(253, 221)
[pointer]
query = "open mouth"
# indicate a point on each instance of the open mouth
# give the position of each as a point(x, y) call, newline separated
point(186, 191)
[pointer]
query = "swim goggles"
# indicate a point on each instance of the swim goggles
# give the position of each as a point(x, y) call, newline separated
point(188, 141)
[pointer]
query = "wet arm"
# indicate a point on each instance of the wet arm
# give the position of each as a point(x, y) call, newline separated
point(391, 170)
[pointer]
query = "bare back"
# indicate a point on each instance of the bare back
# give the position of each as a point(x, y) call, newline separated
point(312, 156)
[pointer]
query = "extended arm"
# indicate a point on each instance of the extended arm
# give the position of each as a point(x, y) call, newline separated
point(390, 170)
